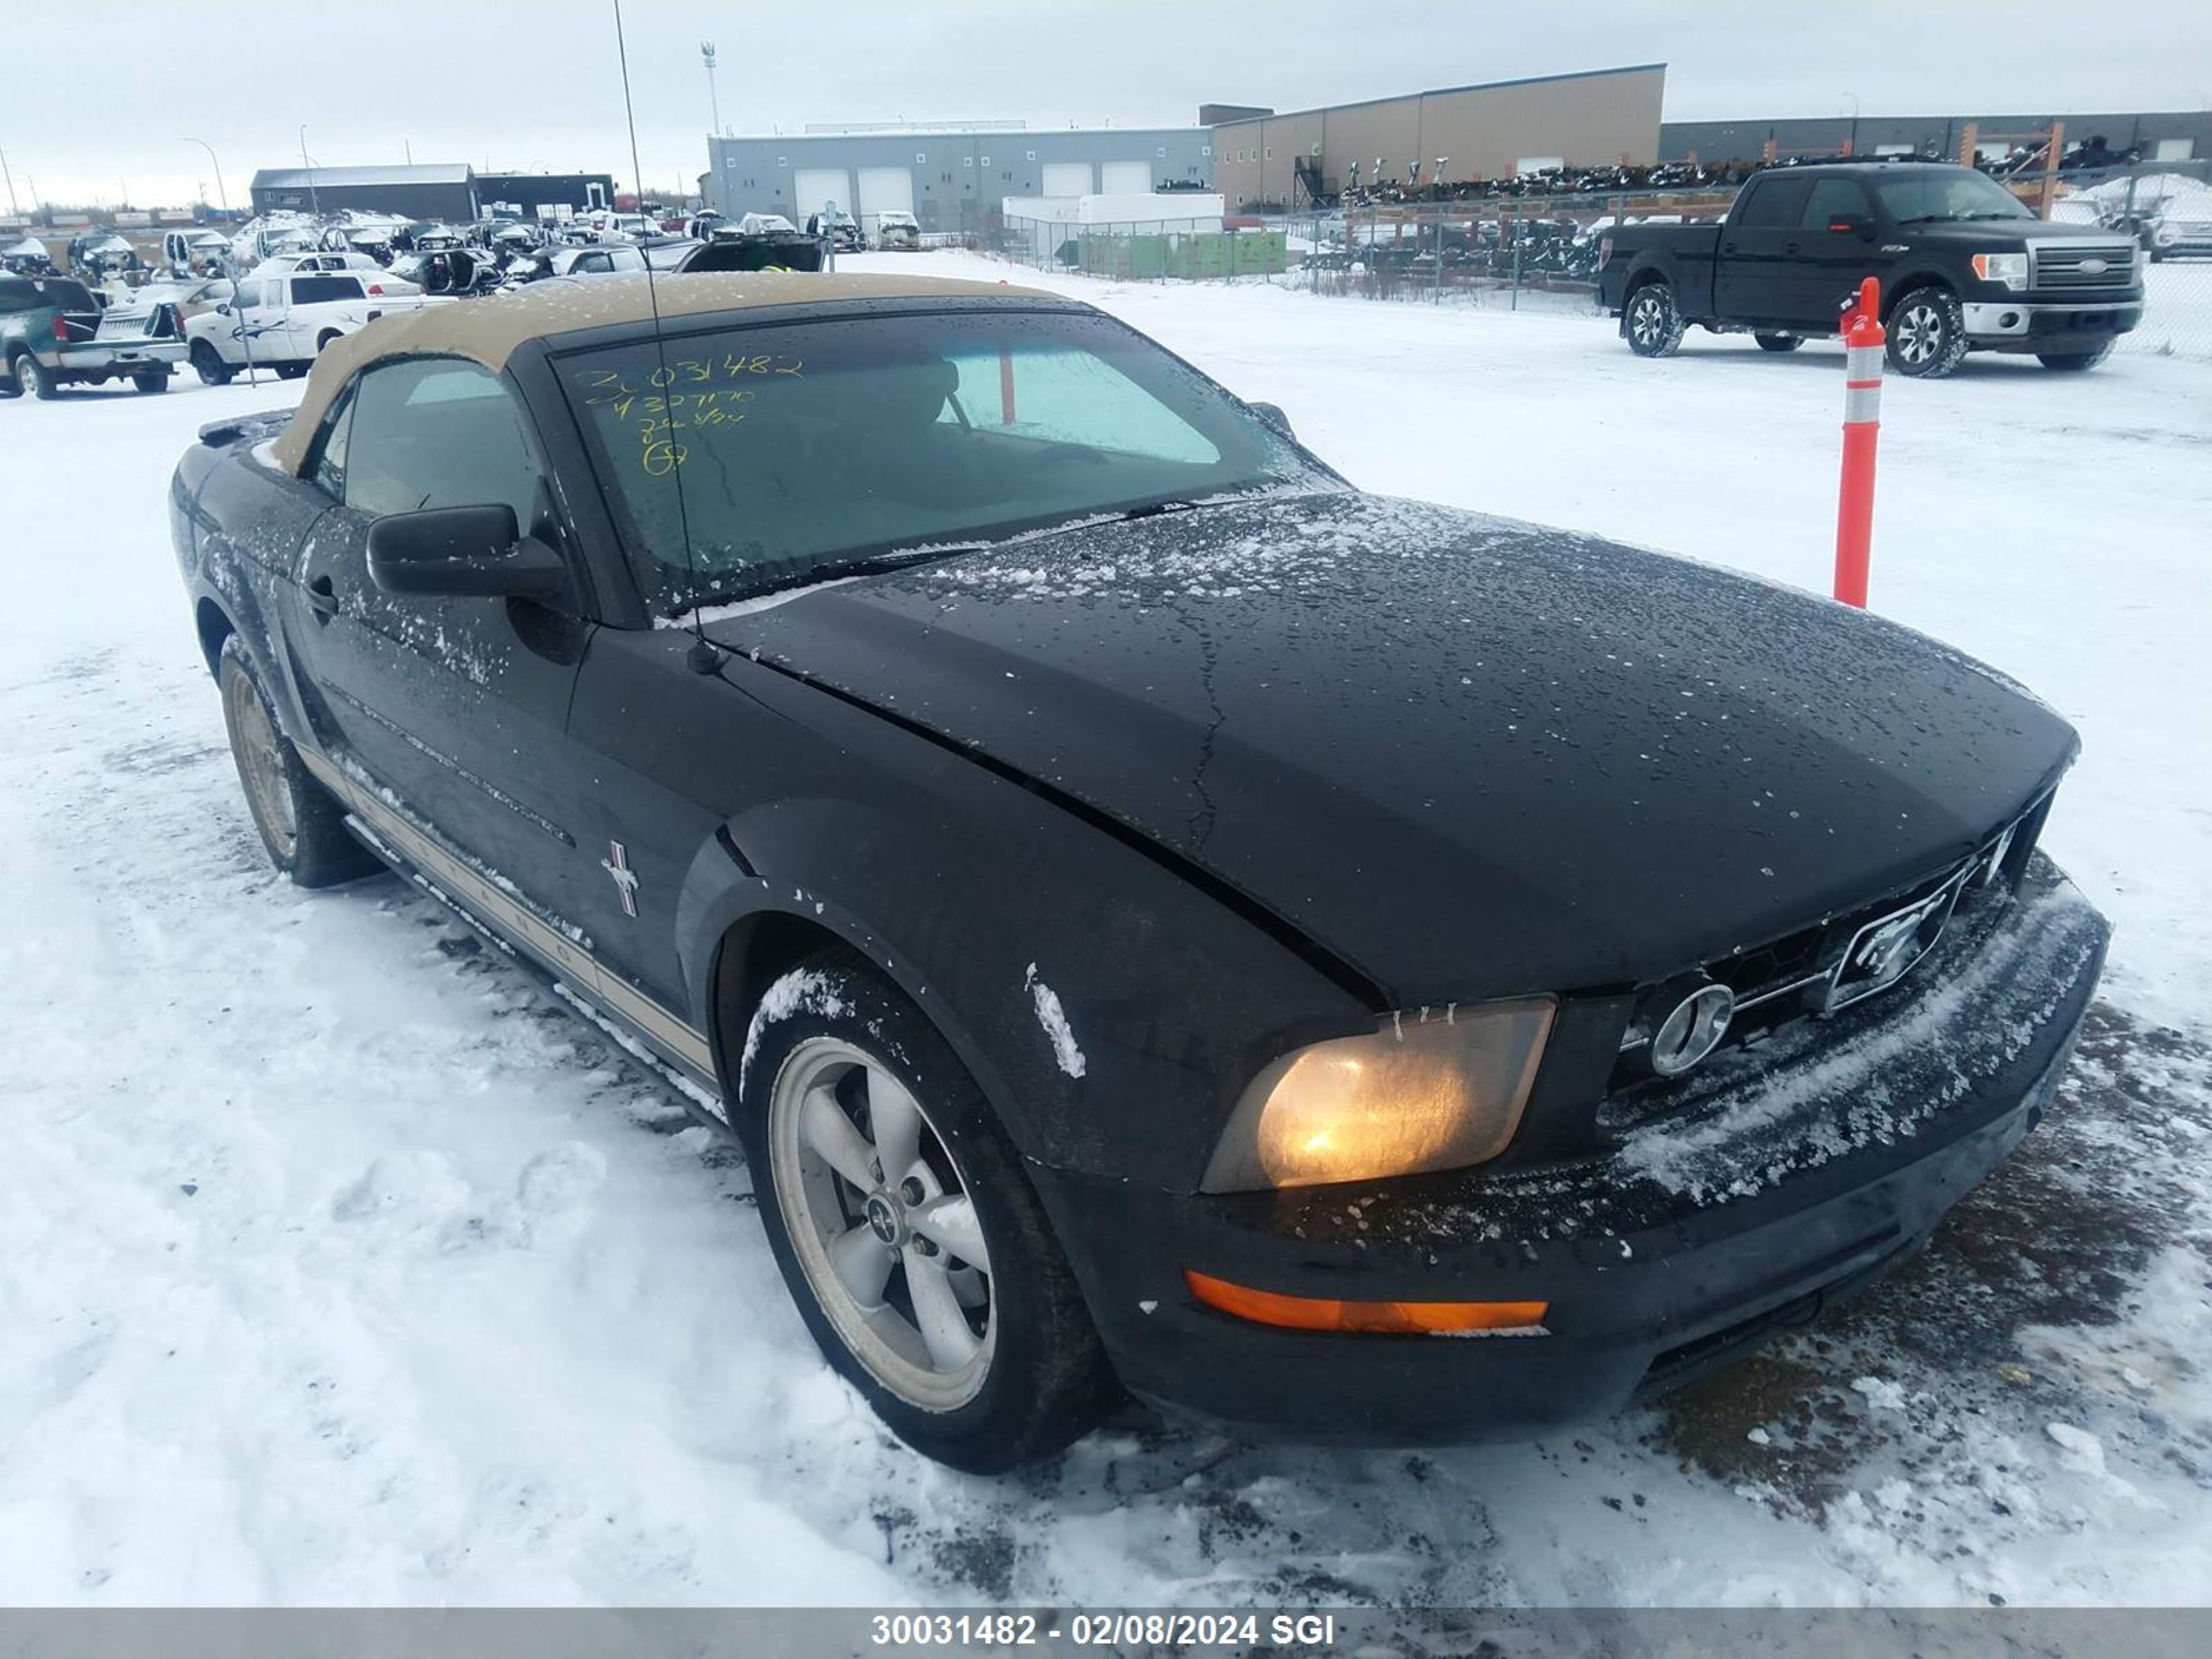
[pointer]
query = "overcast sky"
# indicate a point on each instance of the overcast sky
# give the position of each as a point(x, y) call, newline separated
point(516, 84)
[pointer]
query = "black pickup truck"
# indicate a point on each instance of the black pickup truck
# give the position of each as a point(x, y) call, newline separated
point(1963, 265)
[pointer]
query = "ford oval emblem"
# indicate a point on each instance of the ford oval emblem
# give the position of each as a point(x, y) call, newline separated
point(2095, 267)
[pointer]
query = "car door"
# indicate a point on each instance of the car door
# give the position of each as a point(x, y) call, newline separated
point(1757, 240)
point(1836, 241)
point(454, 709)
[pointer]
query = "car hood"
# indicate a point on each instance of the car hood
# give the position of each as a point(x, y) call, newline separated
point(1470, 758)
point(2000, 235)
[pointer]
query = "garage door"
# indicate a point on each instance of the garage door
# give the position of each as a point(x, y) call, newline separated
point(1067, 178)
point(815, 185)
point(1127, 179)
point(884, 190)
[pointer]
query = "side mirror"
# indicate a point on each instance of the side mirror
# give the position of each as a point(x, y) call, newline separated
point(462, 552)
point(1274, 416)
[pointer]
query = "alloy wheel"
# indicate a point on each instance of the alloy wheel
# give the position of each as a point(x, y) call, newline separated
point(1919, 333)
point(882, 1224)
point(261, 763)
point(1647, 318)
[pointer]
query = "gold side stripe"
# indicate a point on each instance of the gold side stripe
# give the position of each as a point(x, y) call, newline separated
point(571, 960)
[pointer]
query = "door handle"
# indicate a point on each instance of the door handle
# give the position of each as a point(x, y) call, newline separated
point(323, 598)
point(1790, 247)
point(1727, 248)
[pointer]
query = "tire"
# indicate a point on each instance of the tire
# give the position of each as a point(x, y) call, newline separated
point(299, 822)
point(34, 380)
point(1927, 330)
point(290, 371)
point(208, 364)
point(330, 337)
point(150, 385)
point(1652, 321)
point(9, 385)
point(2074, 363)
point(1011, 1369)
point(1779, 341)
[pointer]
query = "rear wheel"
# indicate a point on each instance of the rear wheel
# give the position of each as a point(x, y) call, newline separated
point(150, 383)
point(1653, 322)
point(1926, 334)
point(911, 1240)
point(35, 379)
point(1779, 341)
point(300, 823)
point(290, 371)
point(208, 364)
point(330, 337)
point(2074, 362)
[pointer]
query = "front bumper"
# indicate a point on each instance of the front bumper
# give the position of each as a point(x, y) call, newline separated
point(1826, 1157)
point(2026, 324)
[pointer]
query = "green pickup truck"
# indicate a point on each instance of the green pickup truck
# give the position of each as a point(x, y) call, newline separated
point(53, 334)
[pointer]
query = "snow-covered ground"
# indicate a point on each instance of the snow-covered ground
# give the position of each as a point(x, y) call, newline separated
point(338, 1263)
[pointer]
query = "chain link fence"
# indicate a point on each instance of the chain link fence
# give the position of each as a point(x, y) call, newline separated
point(1540, 253)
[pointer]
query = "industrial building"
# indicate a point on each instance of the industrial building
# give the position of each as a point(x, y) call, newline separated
point(2176, 135)
point(951, 178)
point(432, 190)
point(1490, 131)
point(443, 191)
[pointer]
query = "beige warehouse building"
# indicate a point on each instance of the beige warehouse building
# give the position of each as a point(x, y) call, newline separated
point(1594, 118)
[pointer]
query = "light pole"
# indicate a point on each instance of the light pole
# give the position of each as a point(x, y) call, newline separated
point(314, 201)
point(1854, 97)
point(223, 195)
point(12, 209)
point(713, 102)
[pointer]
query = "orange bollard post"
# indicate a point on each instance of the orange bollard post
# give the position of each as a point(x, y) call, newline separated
point(1863, 340)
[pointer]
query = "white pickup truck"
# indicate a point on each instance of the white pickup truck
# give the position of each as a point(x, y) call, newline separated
point(281, 319)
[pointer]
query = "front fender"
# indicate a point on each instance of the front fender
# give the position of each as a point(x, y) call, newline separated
point(970, 891)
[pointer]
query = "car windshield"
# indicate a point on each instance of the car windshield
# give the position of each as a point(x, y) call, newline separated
point(797, 452)
point(1950, 196)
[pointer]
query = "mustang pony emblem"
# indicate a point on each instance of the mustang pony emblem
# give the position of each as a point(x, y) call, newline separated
point(617, 864)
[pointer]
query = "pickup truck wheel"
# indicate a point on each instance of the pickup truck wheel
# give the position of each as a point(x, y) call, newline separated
point(2074, 363)
point(1653, 322)
point(911, 1240)
point(1926, 334)
point(9, 385)
point(1779, 341)
point(208, 364)
point(330, 337)
point(34, 379)
point(290, 371)
point(150, 383)
point(299, 822)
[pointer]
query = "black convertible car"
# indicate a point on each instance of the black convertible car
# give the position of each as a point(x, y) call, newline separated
point(1159, 919)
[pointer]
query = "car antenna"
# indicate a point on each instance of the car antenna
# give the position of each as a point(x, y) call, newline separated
point(703, 657)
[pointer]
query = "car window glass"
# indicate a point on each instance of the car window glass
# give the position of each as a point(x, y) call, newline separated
point(320, 290)
point(330, 456)
point(1767, 203)
point(744, 457)
point(1832, 199)
point(439, 432)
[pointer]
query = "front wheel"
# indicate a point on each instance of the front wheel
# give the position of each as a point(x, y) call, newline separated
point(907, 1231)
point(2074, 362)
point(1926, 334)
point(1779, 341)
point(208, 364)
point(1653, 321)
point(299, 822)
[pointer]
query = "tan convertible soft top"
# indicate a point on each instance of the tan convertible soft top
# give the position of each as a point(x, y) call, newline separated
point(488, 331)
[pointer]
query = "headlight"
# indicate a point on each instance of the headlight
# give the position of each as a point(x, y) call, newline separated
point(1420, 1095)
point(2008, 270)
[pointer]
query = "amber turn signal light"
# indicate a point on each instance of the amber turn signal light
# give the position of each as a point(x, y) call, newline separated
point(1312, 1313)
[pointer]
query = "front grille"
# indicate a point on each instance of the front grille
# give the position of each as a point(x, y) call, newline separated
point(2060, 265)
point(1805, 973)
